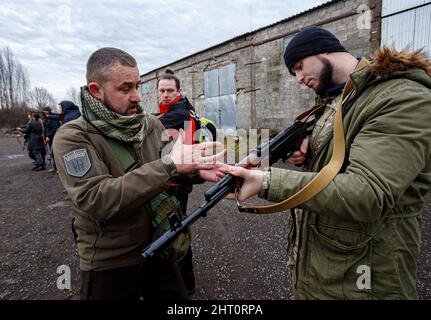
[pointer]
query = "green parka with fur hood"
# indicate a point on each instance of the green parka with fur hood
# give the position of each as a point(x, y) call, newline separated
point(359, 238)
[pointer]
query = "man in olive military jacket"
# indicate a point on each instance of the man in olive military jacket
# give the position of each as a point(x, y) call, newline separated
point(113, 201)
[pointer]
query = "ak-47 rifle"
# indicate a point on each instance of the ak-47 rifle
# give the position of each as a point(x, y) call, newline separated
point(18, 133)
point(282, 146)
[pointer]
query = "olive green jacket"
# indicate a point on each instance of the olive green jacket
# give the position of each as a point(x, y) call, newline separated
point(112, 222)
point(359, 238)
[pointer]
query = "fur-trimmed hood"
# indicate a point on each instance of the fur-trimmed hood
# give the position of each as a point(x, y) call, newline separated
point(388, 60)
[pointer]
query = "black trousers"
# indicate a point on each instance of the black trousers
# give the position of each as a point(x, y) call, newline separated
point(39, 157)
point(155, 279)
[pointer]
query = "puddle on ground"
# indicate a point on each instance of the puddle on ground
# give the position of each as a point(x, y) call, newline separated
point(59, 204)
point(11, 156)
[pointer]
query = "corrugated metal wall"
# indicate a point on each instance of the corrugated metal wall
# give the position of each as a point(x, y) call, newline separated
point(394, 6)
point(404, 25)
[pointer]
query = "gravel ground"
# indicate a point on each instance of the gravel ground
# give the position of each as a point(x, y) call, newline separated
point(237, 256)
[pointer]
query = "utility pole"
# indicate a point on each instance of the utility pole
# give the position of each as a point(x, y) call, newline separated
point(251, 18)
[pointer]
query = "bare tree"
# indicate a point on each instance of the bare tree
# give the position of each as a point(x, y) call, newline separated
point(23, 84)
point(14, 90)
point(73, 95)
point(14, 83)
point(3, 101)
point(41, 98)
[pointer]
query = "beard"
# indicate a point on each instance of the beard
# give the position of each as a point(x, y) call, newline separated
point(325, 79)
point(107, 103)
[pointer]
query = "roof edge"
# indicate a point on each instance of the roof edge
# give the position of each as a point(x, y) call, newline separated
point(245, 35)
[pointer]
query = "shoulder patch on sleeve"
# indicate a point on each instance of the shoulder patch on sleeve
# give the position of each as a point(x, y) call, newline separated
point(77, 163)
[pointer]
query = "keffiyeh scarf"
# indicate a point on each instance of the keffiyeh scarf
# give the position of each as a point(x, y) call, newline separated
point(124, 128)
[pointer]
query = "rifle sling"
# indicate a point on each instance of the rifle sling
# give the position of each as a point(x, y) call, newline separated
point(122, 154)
point(326, 175)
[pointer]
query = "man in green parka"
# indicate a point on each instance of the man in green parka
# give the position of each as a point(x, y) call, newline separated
point(359, 238)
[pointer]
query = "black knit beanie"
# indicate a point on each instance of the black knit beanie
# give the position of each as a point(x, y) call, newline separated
point(309, 42)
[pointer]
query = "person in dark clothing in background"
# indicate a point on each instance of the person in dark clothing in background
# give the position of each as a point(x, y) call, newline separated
point(26, 136)
point(52, 123)
point(36, 146)
point(69, 111)
point(175, 114)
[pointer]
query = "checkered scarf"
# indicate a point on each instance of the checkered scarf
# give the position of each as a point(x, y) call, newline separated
point(124, 128)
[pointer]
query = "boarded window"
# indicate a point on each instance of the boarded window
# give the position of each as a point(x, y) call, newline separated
point(220, 96)
point(145, 88)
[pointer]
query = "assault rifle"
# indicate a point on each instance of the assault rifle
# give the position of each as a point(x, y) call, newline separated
point(18, 132)
point(281, 147)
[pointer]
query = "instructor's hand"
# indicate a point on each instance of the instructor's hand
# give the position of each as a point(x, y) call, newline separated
point(190, 158)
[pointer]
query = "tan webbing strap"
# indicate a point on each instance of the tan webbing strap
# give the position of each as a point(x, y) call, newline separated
point(305, 115)
point(324, 177)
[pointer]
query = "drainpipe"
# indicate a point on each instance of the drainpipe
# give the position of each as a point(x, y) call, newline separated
point(252, 88)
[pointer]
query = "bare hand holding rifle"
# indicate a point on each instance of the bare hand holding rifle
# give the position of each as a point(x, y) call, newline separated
point(281, 147)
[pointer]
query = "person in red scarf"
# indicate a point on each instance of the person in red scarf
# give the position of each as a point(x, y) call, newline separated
point(175, 114)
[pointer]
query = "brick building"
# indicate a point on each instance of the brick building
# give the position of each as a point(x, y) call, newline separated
point(244, 83)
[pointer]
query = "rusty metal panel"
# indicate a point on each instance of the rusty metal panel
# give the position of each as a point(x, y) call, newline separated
point(394, 6)
point(228, 112)
point(227, 79)
point(220, 95)
point(212, 110)
point(211, 80)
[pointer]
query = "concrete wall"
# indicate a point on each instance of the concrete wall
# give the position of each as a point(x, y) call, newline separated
point(267, 95)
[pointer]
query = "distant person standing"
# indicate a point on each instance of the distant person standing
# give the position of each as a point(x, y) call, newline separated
point(52, 123)
point(36, 146)
point(69, 111)
point(26, 136)
point(176, 113)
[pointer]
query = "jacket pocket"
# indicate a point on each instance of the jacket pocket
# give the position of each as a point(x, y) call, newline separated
point(339, 270)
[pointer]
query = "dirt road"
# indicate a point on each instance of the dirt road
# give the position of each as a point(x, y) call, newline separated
point(236, 256)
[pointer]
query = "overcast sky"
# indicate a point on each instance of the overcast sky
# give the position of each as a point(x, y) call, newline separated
point(53, 39)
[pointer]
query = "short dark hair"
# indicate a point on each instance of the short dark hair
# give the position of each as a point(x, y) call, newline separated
point(169, 75)
point(103, 59)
